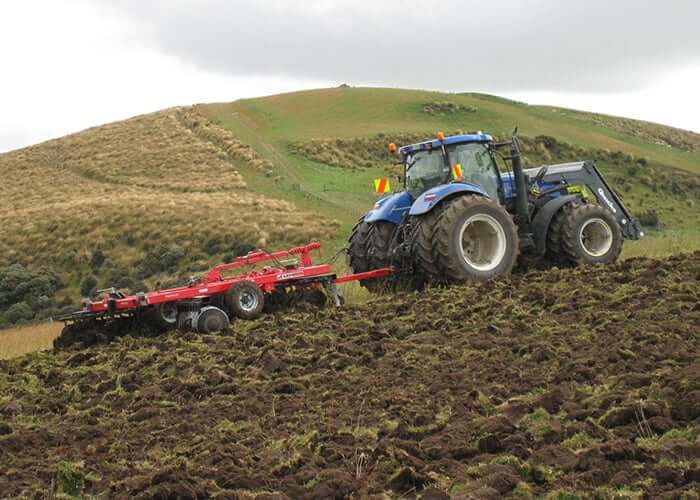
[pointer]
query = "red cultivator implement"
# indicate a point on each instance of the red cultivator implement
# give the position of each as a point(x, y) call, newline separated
point(208, 304)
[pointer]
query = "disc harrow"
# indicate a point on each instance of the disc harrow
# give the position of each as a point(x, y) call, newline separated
point(208, 304)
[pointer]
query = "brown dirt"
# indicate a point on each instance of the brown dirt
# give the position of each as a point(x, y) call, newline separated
point(579, 382)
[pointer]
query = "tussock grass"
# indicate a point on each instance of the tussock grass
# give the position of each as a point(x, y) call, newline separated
point(661, 135)
point(99, 206)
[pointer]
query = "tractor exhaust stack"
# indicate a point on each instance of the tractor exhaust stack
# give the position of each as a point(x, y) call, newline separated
point(522, 210)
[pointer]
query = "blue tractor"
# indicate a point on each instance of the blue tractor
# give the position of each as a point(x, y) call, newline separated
point(460, 218)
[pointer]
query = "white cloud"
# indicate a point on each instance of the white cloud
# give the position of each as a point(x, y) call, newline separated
point(71, 64)
point(670, 101)
point(79, 65)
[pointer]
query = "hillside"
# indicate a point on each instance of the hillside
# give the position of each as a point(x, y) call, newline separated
point(162, 196)
point(567, 383)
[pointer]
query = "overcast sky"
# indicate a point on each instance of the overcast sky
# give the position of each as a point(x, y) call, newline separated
point(71, 64)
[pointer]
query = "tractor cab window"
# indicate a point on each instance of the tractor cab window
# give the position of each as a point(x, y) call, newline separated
point(424, 170)
point(477, 166)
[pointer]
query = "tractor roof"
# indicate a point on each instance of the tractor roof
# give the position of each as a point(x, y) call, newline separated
point(453, 139)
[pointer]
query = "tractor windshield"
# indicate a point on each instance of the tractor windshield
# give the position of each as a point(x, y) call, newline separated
point(424, 170)
point(476, 166)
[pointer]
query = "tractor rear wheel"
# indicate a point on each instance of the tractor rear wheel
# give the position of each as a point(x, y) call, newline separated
point(380, 235)
point(369, 249)
point(245, 300)
point(590, 234)
point(475, 239)
point(423, 237)
point(358, 257)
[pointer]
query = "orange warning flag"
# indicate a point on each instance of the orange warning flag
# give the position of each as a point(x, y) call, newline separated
point(382, 185)
point(457, 172)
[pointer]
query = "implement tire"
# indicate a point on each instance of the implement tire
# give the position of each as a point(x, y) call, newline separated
point(475, 240)
point(245, 300)
point(590, 234)
point(164, 315)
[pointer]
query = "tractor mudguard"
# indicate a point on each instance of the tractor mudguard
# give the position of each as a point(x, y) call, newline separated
point(432, 197)
point(540, 224)
point(391, 208)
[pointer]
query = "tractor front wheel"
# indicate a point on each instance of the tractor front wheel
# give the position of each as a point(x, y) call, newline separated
point(590, 234)
point(475, 239)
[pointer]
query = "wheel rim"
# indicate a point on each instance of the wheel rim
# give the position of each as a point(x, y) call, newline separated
point(483, 242)
point(213, 322)
point(249, 300)
point(596, 237)
point(168, 311)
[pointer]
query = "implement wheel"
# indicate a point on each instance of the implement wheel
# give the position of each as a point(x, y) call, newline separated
point(164, 315)
point(245, 300)
point(475, 239)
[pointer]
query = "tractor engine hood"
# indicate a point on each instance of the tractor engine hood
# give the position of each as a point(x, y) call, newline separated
point(432, 197)
point(390, 208)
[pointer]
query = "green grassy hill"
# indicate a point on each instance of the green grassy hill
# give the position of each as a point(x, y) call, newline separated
point(167, 194)
point(310, 134)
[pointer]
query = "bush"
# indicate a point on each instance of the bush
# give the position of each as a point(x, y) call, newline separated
point(22, 290)
point(163, 258)
point(649, 219)
point(88, 285)
point(98, 258)
point(18, 312)
point(240, 247)
point(18, 284)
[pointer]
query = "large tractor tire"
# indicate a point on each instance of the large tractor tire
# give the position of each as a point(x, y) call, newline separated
point(380, 235)
point(590, 234)
point(424, 260)
point(475, 240)
point(554, 254)
point(369, 249)
point(358, 257)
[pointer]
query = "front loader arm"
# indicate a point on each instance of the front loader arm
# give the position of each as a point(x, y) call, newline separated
point(587, 174)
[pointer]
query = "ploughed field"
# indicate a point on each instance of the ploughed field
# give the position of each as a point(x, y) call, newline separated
point(565, 382)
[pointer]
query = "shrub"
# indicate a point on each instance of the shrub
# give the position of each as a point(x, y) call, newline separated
point(19, 285)
point(13, 284)
point(240, 247)
point(163, 258)
point(98, 258)
point(650, 218)
point(18, 312)
point(88, 285)
point(446, 107)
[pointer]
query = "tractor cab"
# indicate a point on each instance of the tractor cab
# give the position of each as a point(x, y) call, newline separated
point(462, 158)
point(439, 169)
